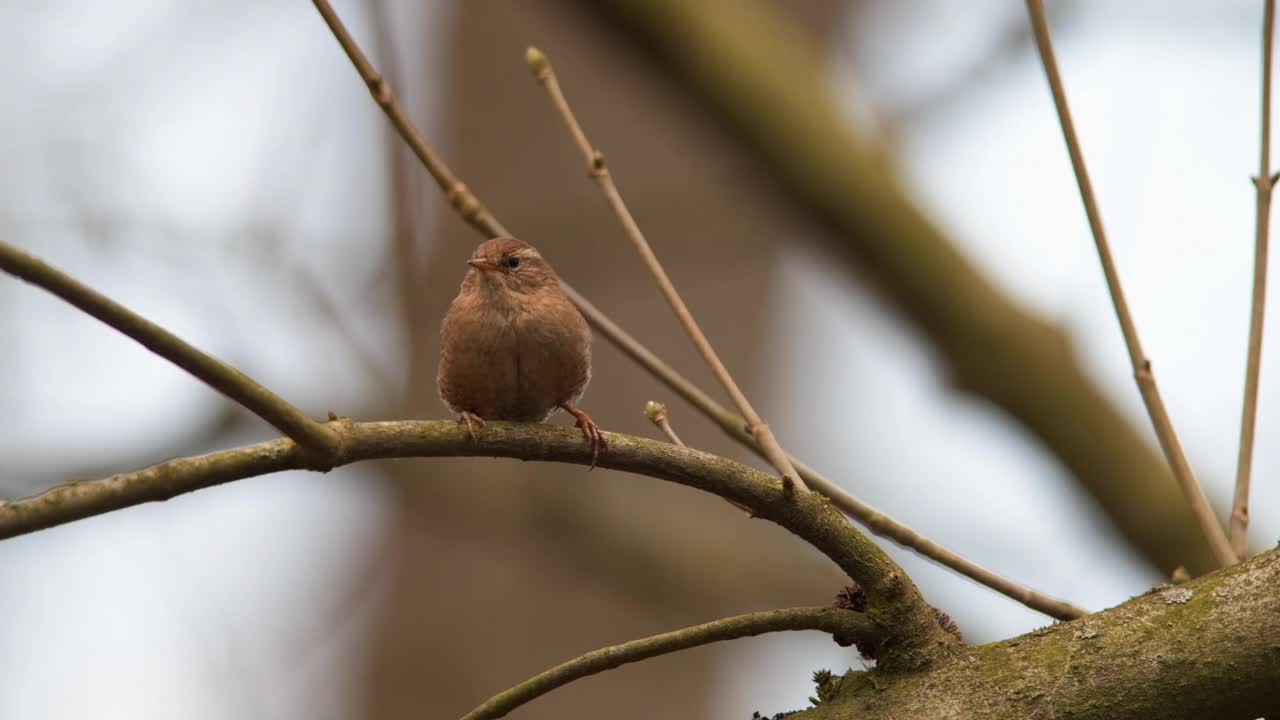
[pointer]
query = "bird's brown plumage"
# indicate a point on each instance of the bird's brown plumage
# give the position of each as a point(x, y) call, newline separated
point(512, 345)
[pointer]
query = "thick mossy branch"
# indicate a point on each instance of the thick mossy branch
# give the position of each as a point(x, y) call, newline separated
point(907, 630)
point(1209, 648)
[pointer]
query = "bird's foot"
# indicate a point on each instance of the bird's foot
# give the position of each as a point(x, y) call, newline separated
point(471, 421)
point(589, 430)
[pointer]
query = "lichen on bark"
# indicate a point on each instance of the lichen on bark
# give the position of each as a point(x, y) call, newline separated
point(1209, 648)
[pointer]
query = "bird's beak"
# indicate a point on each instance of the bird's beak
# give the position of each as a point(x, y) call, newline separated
point(482, 265)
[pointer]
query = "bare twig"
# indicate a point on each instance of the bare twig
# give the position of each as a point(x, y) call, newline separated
point(595, 163)
point(731, 423)
point(1264, 182)
point(241, 388)
point(844, 624)
point(885, 526)
point(657, 414)
point(460, 198)
point(1141, 364)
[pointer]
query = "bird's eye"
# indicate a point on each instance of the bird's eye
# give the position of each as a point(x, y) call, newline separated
point(511, 263)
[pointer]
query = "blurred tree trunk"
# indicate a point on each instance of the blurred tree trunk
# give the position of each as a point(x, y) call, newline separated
point(503, 569)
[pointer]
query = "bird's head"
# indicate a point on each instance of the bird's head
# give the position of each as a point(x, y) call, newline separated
point(507, 265)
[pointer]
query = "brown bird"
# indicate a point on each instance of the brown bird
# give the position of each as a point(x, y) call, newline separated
point(512, 345)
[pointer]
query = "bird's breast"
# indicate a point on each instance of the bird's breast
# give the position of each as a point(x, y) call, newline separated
point(512, 363)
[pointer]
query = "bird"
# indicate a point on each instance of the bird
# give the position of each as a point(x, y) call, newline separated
point(512, 345)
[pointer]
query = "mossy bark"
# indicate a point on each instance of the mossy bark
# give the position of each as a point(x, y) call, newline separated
point(1206, 649)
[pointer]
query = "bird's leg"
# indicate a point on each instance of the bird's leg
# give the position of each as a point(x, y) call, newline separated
point(471, 421)
point(589, 430)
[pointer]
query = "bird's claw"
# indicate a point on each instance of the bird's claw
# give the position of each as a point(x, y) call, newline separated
point(471, 421)
point(590, 431)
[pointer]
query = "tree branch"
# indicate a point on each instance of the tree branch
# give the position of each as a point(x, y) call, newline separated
point(1263, 183)
point(211, 371)
point(847, 625)
point(1205, 649)
point(473, 212)
point(599, 172)
point(657, 414)
point(905, 623)
point(1142, 371)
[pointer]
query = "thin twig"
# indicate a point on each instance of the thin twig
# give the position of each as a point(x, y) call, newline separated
point(1264, 182)
point(600, 173)
point(460, 198)
point(733, 425)
point(844, 624)
point(218, 375)
point(885, 526)
point(1142, 372)
point(657, 414)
